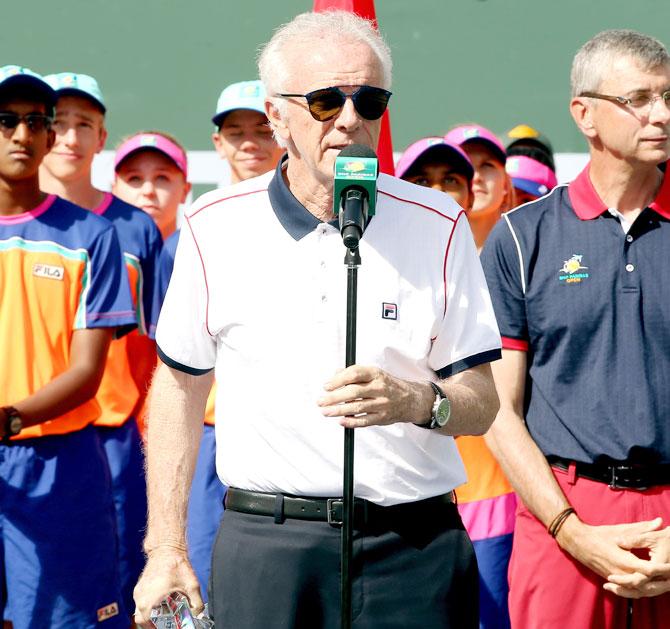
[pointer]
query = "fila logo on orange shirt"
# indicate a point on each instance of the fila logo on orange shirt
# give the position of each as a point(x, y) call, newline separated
point(48, 271)
point(108, 611)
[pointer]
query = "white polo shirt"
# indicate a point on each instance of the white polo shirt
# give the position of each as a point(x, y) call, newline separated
point(258, 293)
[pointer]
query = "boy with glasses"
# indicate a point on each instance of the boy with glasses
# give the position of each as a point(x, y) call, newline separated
point(64, 294)
point(79, 127)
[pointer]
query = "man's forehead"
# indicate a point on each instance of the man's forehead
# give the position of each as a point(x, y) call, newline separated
point(242, 118)
point(630, 74)
point(445, 165)
point(147, 159)
point(342, 62)
point(78, 106)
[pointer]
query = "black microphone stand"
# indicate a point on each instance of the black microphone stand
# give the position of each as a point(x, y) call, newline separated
point(352, 260)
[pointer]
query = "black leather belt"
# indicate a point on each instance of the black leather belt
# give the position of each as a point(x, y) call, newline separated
point(618, 475)
point(330, 510)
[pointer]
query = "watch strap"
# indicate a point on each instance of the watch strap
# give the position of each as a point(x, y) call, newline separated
point(439, 392)
point(439, 395)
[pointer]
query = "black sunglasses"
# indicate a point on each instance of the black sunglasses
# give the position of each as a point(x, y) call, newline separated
point(324, 104)
point(35, 122)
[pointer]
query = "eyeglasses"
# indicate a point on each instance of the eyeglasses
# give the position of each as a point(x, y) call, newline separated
point(324, 104)
point(35, 122)
point(639, 102)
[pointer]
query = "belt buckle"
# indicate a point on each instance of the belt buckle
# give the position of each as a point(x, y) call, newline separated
point(333, 520)
point(624, 481)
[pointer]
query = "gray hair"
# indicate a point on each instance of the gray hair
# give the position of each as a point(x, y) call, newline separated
point(318, 27)
point(321, 28)
point(593, 59)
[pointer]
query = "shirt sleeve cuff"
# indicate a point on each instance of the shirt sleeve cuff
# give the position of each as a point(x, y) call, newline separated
point(178, 366)
point(469, 362)
point(518, 344)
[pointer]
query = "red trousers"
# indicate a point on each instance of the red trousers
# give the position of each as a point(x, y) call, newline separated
point(550, 590)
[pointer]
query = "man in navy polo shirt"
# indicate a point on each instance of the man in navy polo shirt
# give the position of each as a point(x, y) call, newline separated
point(582, 296)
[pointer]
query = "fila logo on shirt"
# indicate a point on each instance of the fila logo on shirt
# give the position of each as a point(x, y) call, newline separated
point(48, 271)
point(389, 311)
point(108, 611)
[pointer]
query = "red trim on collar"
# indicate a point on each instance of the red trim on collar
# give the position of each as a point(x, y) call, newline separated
point(104, 204)
point(588, 205)
point(583, 196)
point(661, 203)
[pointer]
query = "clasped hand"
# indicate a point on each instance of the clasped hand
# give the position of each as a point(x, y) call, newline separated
point(634, 558)
point(654, 578)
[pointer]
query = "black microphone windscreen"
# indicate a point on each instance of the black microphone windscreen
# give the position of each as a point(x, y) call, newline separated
point(357, 150)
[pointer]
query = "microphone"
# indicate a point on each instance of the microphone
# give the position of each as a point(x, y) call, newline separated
point(355, 191)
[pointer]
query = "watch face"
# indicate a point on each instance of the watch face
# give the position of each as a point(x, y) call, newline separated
point(443, 412)
point(15, 425)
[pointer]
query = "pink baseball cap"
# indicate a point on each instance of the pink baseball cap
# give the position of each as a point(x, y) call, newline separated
point(530, 175)
point(475, 133)
point(442, 151)
point(152, 142)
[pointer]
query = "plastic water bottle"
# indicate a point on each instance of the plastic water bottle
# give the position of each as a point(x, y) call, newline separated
point(174, 613)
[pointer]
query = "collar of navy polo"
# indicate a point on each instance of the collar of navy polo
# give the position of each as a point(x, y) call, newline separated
point(588, 205)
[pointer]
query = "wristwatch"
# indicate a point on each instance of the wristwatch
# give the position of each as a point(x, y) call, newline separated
point(13, 422)
point(441, 410)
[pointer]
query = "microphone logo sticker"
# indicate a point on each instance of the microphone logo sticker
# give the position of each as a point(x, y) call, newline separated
point(354, 167)
point(389, 311)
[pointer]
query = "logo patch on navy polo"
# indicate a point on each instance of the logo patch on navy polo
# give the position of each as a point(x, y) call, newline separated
point(389, 311)
point(572, 271)
point(49, 271)
point(108, 611)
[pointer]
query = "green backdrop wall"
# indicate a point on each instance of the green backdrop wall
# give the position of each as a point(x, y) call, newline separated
point(162, 63)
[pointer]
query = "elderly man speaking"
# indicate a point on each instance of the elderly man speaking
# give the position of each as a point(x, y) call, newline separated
point(258, 294)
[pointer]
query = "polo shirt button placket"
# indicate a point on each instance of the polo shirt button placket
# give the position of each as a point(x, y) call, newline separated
point(323, 271)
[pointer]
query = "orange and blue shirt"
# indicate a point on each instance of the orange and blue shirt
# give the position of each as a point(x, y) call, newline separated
point(131, 359)
point(61, 270)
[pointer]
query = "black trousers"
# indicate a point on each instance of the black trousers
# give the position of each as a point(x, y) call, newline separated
point(411, 574)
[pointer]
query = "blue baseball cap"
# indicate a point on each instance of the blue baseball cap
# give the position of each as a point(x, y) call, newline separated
point(69, 83)
point(13, 77)
point(242, 95)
